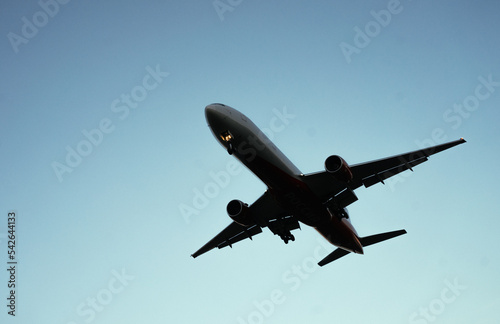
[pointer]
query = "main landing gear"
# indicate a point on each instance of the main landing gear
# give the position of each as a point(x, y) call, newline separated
point(287, 237)
point(335, 210)
point(282, 227)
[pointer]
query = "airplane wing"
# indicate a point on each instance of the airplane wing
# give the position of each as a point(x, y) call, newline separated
point(266, 212)
point(230, 235)
point(370, 173)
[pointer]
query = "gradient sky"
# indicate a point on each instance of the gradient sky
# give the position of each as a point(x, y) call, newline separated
point(101, 237)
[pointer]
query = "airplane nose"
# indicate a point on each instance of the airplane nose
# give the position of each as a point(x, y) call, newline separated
point(214, 115)
point(209, 113)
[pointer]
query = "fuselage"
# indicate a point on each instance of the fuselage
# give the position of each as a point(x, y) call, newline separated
point(245, 141)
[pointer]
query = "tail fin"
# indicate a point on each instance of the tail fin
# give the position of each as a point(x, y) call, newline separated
point(365, 241)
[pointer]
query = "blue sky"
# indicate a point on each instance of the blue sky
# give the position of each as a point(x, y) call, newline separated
point(104, 142)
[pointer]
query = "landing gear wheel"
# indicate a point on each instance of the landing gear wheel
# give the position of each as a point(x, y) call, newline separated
point(230, 149)
point(287, 237)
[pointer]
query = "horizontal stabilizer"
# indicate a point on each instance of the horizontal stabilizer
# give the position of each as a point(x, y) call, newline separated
point(365, 241)
point(338, 253)
point(377, 238)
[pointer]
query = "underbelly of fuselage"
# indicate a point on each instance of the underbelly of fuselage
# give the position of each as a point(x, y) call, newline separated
point(307, 209)
point(298, 199)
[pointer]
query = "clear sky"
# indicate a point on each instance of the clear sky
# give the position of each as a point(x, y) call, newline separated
point(104, 143)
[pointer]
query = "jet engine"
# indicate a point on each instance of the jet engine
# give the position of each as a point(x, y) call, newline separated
point(239, 212)
point(338, 168)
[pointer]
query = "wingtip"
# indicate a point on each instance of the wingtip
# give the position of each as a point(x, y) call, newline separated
point(462, 140)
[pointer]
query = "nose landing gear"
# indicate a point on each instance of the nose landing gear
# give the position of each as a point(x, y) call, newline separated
point(230, 148)
point(228, 138)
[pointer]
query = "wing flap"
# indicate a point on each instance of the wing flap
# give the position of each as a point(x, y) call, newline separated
point(380, 177)
point(369, 173)
point(228, 232)
point(247, 232)
point(233, 233)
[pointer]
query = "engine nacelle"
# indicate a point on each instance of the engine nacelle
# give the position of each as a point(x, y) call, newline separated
point(240, 213)
point(338, 168)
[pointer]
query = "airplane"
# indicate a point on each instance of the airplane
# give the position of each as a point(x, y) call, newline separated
point(317, 199)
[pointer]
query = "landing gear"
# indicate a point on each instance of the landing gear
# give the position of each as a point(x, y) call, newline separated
point(343, 213)
point(287, 237)
point(336, 210)
point(228, 138)
point(282, 227)
point(230, 148)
